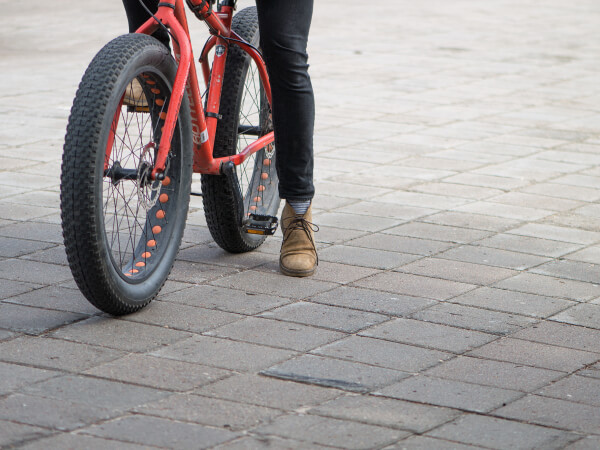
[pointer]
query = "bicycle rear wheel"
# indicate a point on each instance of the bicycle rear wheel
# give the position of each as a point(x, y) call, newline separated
point(246, 115)
point(122, 229)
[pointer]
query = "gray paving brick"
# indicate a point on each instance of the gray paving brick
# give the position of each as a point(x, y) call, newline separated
point(492, 257)
point(575, 389)
point(372, 300)
point(223, 353)
point(551, 286)
point(12, 434)
point(589, 255)
point(276, 333)
point(582, 314)
point(54, 255)
point(232, 415)
point(158, 373)
point(12, 248)
point(563, 335)
point(327, 431)
point(494, 373)
point(385, 412)
point(268, 392)
point(562, 234)
point(415, 285)
point(350, 376)
point(535, 355)
point(402, 244)
point(499, 433)
point(191, 272)
point(73, 441)
point(49, 353)
point(274, 284)
point(333, 317)
point(586, 443)
point(33, 271)
point(554, 413)
point(110, 332)
point(57, 298)
point(387, 210)
point(513, 302)
point(365, 257)
point(426, 443)
point(338, 273)
point(581, 271)
point(148, 430)
point(450, 393)
point(14, 377)
point(525, 244)
point(438, 232)
point(474, 318)
point(34, 231)
point(9, 288)
point(355, 221)
point(34, 320)
point(57, 413)
point(381, 353)
point(430, 335)
point(591, 371)
point(457, 271)
point(231, 300)
point(251, 443)
point(473, 221)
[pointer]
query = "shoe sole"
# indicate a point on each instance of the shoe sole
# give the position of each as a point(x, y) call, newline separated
point(296, 273)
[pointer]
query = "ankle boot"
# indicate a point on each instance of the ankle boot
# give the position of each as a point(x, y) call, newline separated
point(298, 251)
point(134, 95)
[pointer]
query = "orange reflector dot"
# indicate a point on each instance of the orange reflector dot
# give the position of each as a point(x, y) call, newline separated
point(159, 101)
point(164, 198)
point(264, 175)
point(150, 82)
point(266, 162)
point(155, 91)
point(253, 207)
point(166, 181)
point(134, 271)
point(128, 275)
point(160, 214)
point(163, 115)
point(256, 199)
point(156, 229)
point(261, 188)
point(146, 255)
point(140, 264)
point(151, 243)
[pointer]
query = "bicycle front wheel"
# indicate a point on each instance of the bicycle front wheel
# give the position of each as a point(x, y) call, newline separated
point(122, 230)
point(246, 115)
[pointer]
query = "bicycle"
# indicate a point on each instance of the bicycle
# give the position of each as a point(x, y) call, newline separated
point(127, 163)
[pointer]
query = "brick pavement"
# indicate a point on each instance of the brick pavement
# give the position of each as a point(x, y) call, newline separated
point(457, 302)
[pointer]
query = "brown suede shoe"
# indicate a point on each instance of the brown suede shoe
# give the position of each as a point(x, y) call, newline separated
point(134, 96)
point(298, 251)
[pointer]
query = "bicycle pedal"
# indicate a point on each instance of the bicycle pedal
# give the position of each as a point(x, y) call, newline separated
point(259, 224)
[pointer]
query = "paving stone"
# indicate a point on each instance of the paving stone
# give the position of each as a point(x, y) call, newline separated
point(232, 415)
point(426, 443)
point(33, 271)
point(506, 211)
point(586, 443)
point(575, 389)
point(534, 246)
point(158, 373)
point(365, 257)
point(563, 335)
point(394, 211)
point(34, 320)
point(553, 413)
point(251, 443)
point(513, 302)
point(223, 353)
point(148, 430)
point(492, 257)
point(415, 285)
point(13, 434)
point(12, 248)
point(338, 273)
point(355, 221)
point(381, 353)
point(57, 298)
point(350, 376)
point(14, 377)
point(444, 233)
point(190, 272)
point(275, 333)
point(474, 318)
point(274, 284)
point(50, 353)
point(73, 441)
point(54, 255)
point(401, 244)
point(385, 412)
point(9, 288)
point(589, 254)
point(582, 314)
point(551, 286)
point(372, 300)
point(327, 431)
point(457, 271)
point(450, 393)
point(562, 234)
point(57, 413)
point(333, 317)
point(499, 433)
point(117, 334)
point(573, 270)
point(231, 300)
point(535, 355)
point(429, 335)
point(473, 221)
point(535, 201)
point(34, 231)
point(494, 373)
point(268, 392)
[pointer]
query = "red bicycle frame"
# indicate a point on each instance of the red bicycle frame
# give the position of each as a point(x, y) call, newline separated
point(172, 14)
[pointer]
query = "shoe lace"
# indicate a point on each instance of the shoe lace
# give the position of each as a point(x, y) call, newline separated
point(300, 223)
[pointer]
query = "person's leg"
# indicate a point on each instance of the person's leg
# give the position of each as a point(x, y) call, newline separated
point(284, 27)
point(137, 15)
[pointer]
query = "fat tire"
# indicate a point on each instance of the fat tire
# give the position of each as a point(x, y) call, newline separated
point(82, 215)
point(218, 197)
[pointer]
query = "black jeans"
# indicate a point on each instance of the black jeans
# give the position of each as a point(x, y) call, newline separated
point(284, 27)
